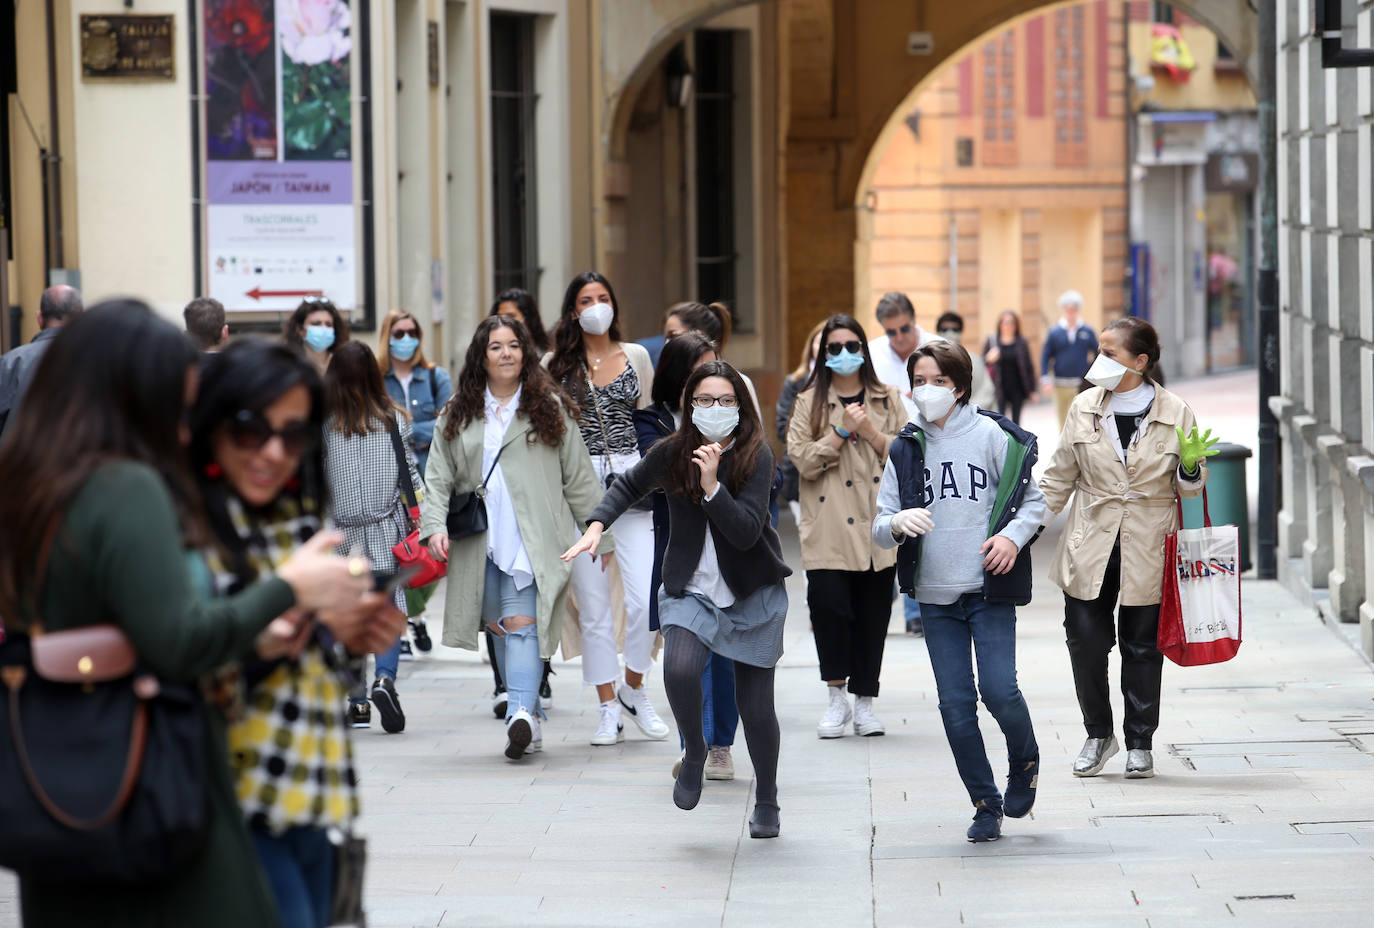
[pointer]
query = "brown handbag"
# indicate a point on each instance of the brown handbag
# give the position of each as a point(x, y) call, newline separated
point(103, 780)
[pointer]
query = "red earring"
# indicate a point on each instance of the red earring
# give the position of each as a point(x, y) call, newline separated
point(214, 471)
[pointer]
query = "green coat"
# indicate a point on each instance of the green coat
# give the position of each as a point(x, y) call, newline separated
point(118, 558)
point(554, 490)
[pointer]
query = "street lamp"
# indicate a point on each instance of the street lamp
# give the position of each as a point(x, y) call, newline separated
point(1334, 54)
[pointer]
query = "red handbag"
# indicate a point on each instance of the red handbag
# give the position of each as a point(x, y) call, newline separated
point(410, 553)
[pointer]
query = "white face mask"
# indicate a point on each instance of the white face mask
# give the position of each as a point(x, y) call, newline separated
point(933, 402)
point(716, 423)
point(1106, 373)
point(596, 319)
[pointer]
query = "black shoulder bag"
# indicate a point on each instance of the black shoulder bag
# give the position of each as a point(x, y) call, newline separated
point(467, 514)
point(102, 765)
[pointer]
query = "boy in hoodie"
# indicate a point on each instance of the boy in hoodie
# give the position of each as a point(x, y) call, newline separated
point(960, 478)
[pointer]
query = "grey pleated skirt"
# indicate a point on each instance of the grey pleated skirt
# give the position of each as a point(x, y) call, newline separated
point(750, 631)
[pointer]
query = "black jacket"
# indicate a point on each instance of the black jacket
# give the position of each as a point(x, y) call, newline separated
point(746, 545)
point(907, 455)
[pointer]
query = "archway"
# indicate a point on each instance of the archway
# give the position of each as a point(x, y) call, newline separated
point(1054, 154)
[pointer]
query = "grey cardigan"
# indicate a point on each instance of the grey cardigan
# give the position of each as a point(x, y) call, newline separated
point(746, 545)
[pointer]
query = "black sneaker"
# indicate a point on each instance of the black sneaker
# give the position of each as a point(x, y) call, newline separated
point(406, 654)
point(916, 628)
point(421, 634)
point(359, 715)
point(389, 705)
point(1020, 795)
point(987, 823)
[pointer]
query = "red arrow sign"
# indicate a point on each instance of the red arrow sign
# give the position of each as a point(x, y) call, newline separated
point(258, 293)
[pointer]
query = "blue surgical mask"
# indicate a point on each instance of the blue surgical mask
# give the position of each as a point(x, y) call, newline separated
point(845, 363)
point(319, 337)
point(404, 348)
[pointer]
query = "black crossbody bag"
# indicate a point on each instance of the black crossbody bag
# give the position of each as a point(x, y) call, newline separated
point(467, 514)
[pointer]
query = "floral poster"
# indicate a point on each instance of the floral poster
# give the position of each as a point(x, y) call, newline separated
point(280, 214)
point(240, 80)
point(315, 45)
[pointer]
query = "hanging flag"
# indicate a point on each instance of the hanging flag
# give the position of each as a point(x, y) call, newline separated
point(1171, 52)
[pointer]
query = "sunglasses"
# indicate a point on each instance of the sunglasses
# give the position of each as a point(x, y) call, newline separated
point(853, 345)
point(249, 431)
point(904, 330)
point(402, 333)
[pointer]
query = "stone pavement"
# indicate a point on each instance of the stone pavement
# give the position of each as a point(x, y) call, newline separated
point(1262, 813)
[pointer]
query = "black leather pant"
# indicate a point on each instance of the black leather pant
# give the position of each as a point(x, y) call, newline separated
point(1089, 627)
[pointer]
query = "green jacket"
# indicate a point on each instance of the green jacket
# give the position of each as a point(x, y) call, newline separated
point(554, 490)
point(118, 558)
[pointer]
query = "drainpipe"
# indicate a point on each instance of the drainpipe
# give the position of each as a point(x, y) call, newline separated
point(1266, 528)
point(53, 161)
point(953, 263)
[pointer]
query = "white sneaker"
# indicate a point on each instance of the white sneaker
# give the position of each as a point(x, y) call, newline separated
point(537, 739)
point(719, 765)
point(642, 713)
point(609, 731)
point(837, 715)
point(519, 733)
point(865, 722)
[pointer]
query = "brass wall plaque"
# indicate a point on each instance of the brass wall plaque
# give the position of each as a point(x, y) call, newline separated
point(128, 46)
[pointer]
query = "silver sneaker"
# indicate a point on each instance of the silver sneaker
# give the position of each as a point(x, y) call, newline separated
point(1094, 756)
point(1140, 764)
point(719, 764)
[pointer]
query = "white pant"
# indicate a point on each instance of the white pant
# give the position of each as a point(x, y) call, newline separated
point(634, 551)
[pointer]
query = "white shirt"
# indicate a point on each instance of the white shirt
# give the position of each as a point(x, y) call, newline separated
point(405, 387)
point(891, 367)
point(706, 579)
point(505, 545)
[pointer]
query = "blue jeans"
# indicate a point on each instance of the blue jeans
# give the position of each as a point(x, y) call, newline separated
point(299, 864)
point(956, 634)
point(517, 652)
point(720, 715)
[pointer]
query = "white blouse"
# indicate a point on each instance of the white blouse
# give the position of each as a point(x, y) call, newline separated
point(706, 579)
point(505, 546)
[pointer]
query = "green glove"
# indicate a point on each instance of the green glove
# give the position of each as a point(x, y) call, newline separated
point(1194, 448)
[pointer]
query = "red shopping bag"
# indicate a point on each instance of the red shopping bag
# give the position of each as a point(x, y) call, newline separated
point(1199, 610)
point(410, 553)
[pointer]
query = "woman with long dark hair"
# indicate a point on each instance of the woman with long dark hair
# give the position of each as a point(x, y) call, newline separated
point(1008, 358)
point(792, 385)
point(367, 487)
point(256, 447)
point(682, 355)
point(723, 575)
point(609, 379)
point(842, 426)
point(521, 306)
point(509, 430)
point(123, 509)
point(1129, 450)
point(316, 329)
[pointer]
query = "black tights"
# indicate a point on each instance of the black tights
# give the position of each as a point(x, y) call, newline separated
point(684, 658)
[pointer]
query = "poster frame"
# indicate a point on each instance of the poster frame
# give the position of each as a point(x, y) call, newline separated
point(363, 317)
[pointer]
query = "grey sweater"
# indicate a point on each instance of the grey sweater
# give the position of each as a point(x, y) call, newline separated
point(963, 466)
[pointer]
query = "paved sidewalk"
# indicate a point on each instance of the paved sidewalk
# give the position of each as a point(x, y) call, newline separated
point(1262, 813)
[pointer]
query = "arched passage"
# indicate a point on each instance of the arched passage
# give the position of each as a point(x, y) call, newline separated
point(834, 73)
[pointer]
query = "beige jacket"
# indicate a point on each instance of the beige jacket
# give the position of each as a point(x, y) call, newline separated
point(1136, 500)
point(839, 488)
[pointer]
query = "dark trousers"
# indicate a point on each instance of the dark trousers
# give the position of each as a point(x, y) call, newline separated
point(1089, 627)
point(850, 610)
point(1011, 407)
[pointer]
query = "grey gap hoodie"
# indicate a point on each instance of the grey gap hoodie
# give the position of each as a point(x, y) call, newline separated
point(963, 464)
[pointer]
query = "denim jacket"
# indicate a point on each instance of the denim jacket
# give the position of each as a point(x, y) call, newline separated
point(429, 391)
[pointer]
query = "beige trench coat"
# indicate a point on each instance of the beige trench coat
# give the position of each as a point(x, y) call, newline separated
point(839, 488)
point(550, 487)
point(1136, 500)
